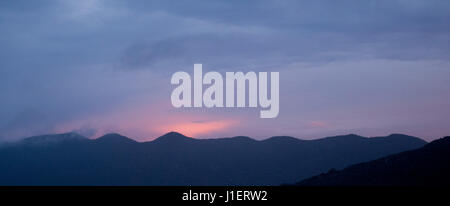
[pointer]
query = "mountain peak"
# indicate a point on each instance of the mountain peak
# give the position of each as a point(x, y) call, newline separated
point(351, 135)
point(398, 135)
point(242, 138)
point(115, 138)
point(401, 138)
point(344, 137)
point(442, 142)
point(282, 139)
point(172, 137)
point(235, 139)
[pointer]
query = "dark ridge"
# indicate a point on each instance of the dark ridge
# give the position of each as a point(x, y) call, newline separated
point(114, 138)
point(172, 137)
point(238, 138)
point(282, 138)
point(439, 143)
point(426, 166)
point(403, 136)
point(396, 135)
point(344, 137)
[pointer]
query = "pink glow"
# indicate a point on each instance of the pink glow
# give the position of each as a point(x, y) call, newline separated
point(194, 129)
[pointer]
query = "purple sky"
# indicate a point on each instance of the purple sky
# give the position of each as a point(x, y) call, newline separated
point(96, 66)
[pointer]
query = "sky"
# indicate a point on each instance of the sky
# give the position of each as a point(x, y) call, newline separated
point(99, 66)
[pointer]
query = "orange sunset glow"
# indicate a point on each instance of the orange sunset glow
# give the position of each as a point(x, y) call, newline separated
point(193, 129)
point(145, 126)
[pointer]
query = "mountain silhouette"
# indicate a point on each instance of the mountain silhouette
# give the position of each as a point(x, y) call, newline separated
point(114, 138)
point(426, 166)
point(172, 137)
point(174, 159)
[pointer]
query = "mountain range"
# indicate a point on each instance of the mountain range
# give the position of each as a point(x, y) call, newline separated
point(174, 159)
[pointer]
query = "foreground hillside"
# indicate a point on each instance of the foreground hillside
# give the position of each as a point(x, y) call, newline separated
point(427, 166)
